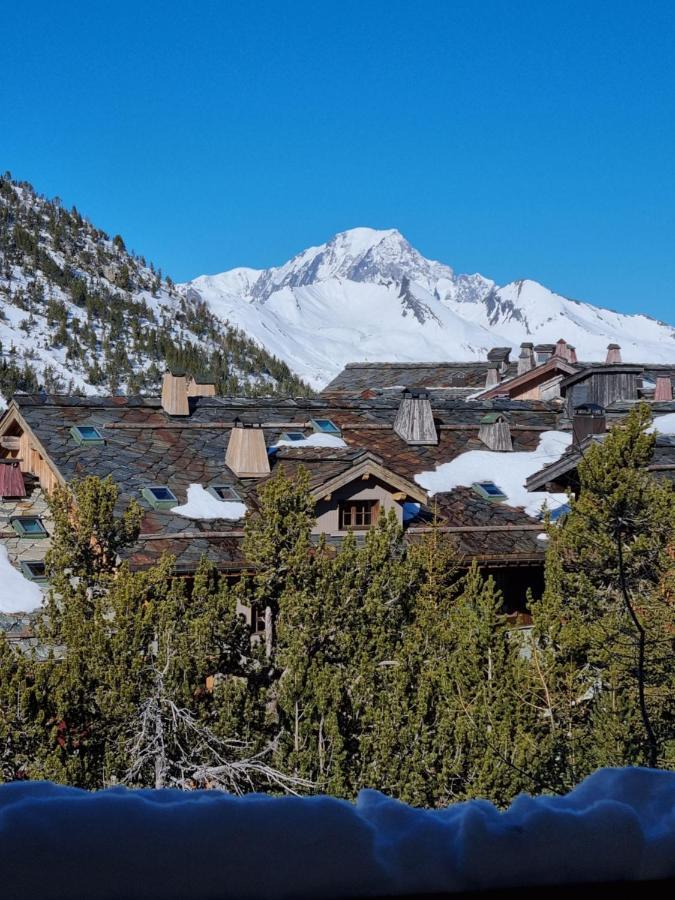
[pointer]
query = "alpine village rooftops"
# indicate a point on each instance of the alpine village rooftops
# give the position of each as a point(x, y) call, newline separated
point(363, 441)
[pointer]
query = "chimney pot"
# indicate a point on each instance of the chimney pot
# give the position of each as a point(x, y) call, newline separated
point(526, 358)
point(414, 422)
point(492, 376)
point(246, 453)
point(588, 419)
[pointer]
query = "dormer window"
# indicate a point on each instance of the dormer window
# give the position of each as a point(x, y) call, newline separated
point(358, 514)
point(325, 426)
point(29, 527)
point(488, 490)
point(292, 436)
point(160, 497)
point(224, 492)
point(87, 435)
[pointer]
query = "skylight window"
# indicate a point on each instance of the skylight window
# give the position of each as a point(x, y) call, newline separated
point(326, 426)
point(488, 490)
point(292, 436)
point(224, 492)
point(160, 497)
point(87, 435)
point(29, 527)
point(34, 570)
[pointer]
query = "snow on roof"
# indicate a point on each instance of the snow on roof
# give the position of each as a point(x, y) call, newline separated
point(203, 505)
point(17, 593)
point(509, 471)
point(319, 439)
point(617, 825)
point(663, 424)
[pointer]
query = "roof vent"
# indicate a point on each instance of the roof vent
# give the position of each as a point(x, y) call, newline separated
point(664, 388)
point(174, 394)
point(414, 421)
point(588, 419)
point(495, 432)
point(526, 358)
point(613, 354)
point(201, 386)
point(246, 453)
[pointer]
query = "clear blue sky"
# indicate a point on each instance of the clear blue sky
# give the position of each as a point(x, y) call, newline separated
point(518, 139)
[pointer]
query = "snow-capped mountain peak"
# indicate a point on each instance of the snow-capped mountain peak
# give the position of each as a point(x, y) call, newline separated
point(368, 294)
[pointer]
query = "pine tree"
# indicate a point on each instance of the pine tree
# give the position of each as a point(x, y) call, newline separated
point(605, 623)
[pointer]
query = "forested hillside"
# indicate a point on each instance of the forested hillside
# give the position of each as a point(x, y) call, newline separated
point(80, 312)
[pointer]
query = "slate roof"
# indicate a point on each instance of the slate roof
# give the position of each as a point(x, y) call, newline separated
point(144, 447)
point(463, 377)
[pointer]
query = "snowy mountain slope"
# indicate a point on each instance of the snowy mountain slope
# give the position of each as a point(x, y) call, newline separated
point(369, 295)
point(78, 312)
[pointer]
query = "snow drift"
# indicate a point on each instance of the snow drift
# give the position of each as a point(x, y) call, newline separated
point(59, 842)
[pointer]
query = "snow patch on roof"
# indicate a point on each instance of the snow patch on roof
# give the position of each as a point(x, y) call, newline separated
point(663, 424)
point(17, 593)
point(203, 505)
point(509, 471)
point(314, 440)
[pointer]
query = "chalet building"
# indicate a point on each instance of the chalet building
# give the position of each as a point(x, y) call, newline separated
point(196, 461)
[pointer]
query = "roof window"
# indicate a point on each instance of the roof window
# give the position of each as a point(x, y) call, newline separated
point(29, 526)
point(292, 436)
point(160, 497)
point(488, 490)
point(87, 434)
point(326, 426)
point(224, 492)
point(34, 570)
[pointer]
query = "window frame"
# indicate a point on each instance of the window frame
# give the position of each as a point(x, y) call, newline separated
point(479, 488)
point(286, 436)
point(30, 575)
point(369, 512)
point(83, 441)
point(17, 523)
point(214, 491)
point(157, 503)
point(332, 429)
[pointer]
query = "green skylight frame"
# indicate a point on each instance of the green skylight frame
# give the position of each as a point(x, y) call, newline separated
point(34, 570)
point(87, 435)
point(325, 426)
point(159, 496)
point(29, 527)
point(489, 491)
point(224, 492)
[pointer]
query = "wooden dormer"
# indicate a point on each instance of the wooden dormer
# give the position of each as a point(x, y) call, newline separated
point(18, 442)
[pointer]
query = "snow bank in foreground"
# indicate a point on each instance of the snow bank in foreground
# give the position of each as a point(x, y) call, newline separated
point(663, 424)
point(319, 439)
point(17, 593)
point(59, 842)
point(202, 505)
point(509, 471)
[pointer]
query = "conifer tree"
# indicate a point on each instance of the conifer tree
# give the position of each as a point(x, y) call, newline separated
point(605, 623)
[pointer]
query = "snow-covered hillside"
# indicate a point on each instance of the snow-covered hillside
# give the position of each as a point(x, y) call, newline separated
point(369, 295)
point(79, 312)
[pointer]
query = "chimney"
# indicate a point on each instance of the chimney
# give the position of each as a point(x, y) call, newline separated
point(543, 352)
point(613, 354)
point(201, 386)
point(246, 453)
point(588, 419)
point(414, 422)
point(495, 432)
point(492, 378)
point(664, 388)
point(500, 355)
point(174, 394)
point(561, 349)
point(572, 357)
point(526, 358)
